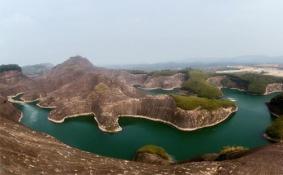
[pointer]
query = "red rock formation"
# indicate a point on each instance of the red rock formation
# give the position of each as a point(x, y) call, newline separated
point(77, 87)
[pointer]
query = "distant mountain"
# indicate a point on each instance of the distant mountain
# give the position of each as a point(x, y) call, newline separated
point(255, 59)
point(204, 63)
point(35, 70)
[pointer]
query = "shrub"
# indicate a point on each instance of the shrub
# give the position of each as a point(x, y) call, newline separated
point(9, 67)
point(198, 85)
point(192, 102)
point(232, 152)
point(275, 130)
point(202, 89)
point(153, 149)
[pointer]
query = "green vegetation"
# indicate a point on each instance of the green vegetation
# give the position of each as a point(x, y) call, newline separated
point(9, 67)
point(232, 152)
point(253, 83)
point(227, 153)
point(153, 149)
point(198, 85)
point(276, 105)
point(197, 74)
point(231, 149)
point(275, 130)
point(192, 102)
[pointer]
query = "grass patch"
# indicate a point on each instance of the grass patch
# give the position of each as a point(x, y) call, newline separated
point(275, 130)
point(153, 149)
point(197, 84)
point(192, 102)
point(232, 152)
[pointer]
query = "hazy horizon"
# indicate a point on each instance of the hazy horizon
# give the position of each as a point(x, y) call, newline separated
point(138, 32)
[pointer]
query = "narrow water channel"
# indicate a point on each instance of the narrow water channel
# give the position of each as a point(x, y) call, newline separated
point(243, 128)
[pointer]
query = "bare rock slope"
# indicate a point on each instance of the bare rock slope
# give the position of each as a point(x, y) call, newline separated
point(23, 151)
point(76, 87)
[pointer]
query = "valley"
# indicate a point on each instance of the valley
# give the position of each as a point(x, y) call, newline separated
point(190, 113)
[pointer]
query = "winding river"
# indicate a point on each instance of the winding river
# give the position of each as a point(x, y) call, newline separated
point(243, 128)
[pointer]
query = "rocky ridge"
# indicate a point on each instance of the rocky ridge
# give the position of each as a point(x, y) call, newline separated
point(76, 87)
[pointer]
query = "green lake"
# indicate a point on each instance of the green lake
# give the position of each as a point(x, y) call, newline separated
point(245, 128)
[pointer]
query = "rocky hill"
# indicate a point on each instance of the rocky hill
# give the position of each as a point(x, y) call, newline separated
point(77, 87)
point(8, 110)
point(13, 80)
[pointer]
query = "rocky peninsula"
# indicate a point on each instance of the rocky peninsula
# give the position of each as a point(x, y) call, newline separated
point(76, 87)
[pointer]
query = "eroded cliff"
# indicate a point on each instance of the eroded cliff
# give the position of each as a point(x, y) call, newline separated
point(76, 87)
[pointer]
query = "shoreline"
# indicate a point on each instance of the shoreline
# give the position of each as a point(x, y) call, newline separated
point(271, 139)
point(243, 90)
point(269, 93)
point(177, 127)
point(275, 115)
point(90, 114)
point(45, 107)
point(118, 128)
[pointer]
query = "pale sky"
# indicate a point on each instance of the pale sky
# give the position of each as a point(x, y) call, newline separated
point(138, 31)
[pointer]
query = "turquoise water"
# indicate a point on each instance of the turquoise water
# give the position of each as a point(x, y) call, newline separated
point(243, 128)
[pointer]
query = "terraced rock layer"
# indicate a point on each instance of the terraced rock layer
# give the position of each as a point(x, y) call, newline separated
point(76, 87)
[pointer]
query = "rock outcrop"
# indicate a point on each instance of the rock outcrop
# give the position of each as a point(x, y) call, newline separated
point(14, 81)
point(23, 151)
point(228, 82)
point(107, 113)
point(274, 87)
point(216, 81)
point(8, 110)
point(76, 87)
point(165, 82)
